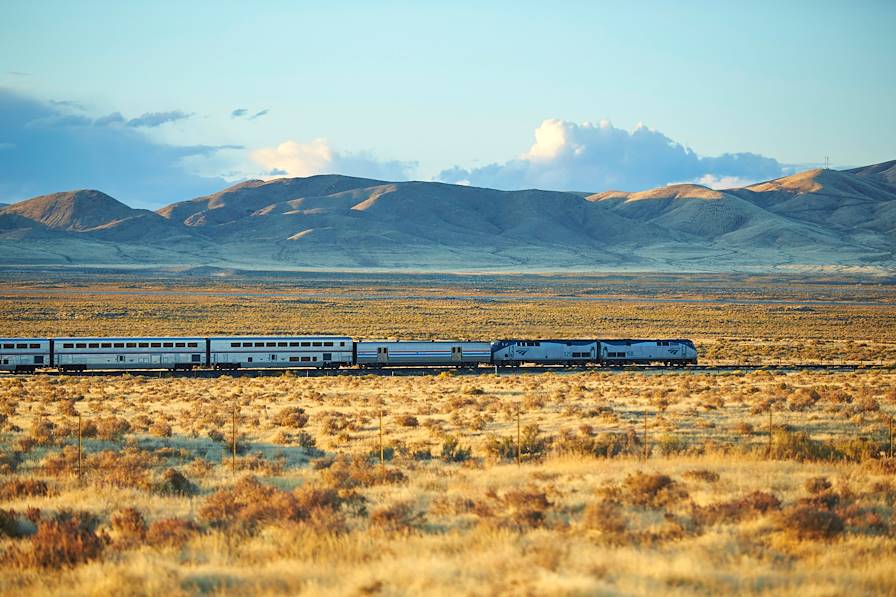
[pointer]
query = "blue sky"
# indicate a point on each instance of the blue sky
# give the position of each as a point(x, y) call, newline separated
point(154, 102)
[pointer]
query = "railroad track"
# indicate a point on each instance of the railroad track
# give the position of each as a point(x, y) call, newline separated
point(474, 371)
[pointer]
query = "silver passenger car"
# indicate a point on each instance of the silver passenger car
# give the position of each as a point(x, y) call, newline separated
point(253, 352)
point(511, 353)
point(422, 354)
point(79, 354)
point(644, 352)
point(24, 354)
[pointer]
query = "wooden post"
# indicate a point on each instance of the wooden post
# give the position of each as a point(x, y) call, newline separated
point(891, 436)
point(645, 434)
point(769, 451)
point(382, 452)
point(518, 444)
point(233, 442)
point(80, 436)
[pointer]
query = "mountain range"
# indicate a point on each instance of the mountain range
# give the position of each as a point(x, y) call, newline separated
point(814, 219)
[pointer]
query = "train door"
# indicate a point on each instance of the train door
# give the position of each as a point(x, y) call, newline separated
point(382, 354)
point(457, 353)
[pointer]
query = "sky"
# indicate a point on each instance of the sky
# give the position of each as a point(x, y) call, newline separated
point(154, 102)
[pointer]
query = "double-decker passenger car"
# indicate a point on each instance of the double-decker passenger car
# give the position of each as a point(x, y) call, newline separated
point(238, 352)
point(510, 353)
point(79, 354)
point(435, 353)
point(24, 354)
point(644, 352)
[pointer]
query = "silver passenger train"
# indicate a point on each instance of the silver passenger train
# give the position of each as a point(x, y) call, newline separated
point(25, 355)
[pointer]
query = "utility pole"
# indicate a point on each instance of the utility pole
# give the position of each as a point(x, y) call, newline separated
point(80, 439)
point(233, 442)
point(518, 446)
point(769, 452)
point(645, 434)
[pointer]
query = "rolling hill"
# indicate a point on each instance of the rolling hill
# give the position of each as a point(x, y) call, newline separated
point(817, 218)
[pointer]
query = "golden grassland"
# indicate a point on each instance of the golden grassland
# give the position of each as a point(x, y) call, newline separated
point(698, 501)
point(727, 333)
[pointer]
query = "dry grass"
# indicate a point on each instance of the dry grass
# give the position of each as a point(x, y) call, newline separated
point(449, 511)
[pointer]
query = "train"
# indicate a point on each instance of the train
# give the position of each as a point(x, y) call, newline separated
point(76, 354)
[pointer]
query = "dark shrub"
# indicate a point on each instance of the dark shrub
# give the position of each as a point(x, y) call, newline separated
point(15, 488)
point(653, 490)
point(129, 526)
point(175, 483)
point(172, 532)
point(292, 417)
point(809, 523)
point(62, 543)
point(817, 485)
point(400, 517)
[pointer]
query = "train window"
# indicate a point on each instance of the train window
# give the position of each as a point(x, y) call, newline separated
point(194, 358)
point(21, 346)
point(34, 346)
point(155, 345)
point(328, 356)
point(306, 359)
point(39, 360)
point(249, 360)
point(118, 345)
point(315, 343)
point(282, 344)
point(328, 344)
point(293, 359)
point(306, 343)
point(271, 343)
point(130, 345)
point(9, 346)
point(80, 345)
point(143, 344)
point(106, 345)
point(313, 358)
point(259, 344)
point(68, 345)
point(93, 345)
point(247, 344)
point(273, 357)
point(192, 345)
point(180, 344)
point(293, 343)
point(168, 344)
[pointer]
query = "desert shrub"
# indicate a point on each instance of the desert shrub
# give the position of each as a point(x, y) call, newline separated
point(803, 399)
point(248, 505)
point(810, 523)
point(359, 472)
point(452, 451)
point(293, 417)
point(524, 508)
point(174, 482)
point(112, 428)
point(817, 485)
point(604, 516)
point(9, 524)
point(652, 490)
point(670, 443)
point(88, 430)
point(702, 475)
point(10, 461)
point(407, 420)
point(126, 468)
point(171, 532)
point(215, 435)
point(160, 429)
point(15, 488)
point(757, 502)
point(797, 445)
point(743, 428)
point(42, 432)
point(129, 527)
point(603, 445)
point(531, 444)
point(399, 517)
point(60, 543)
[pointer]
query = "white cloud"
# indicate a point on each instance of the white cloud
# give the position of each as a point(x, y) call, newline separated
point(724, 182)
point(598, 156)
point(317, 157)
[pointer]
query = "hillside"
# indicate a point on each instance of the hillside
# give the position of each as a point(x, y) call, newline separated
point(817, 218)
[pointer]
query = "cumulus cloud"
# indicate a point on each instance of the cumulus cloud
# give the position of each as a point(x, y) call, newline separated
point(598, 156)
point(46, 151)
point(153, 119)
point(317, 157)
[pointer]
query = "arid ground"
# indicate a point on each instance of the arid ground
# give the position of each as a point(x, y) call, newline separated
point(580, 482)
